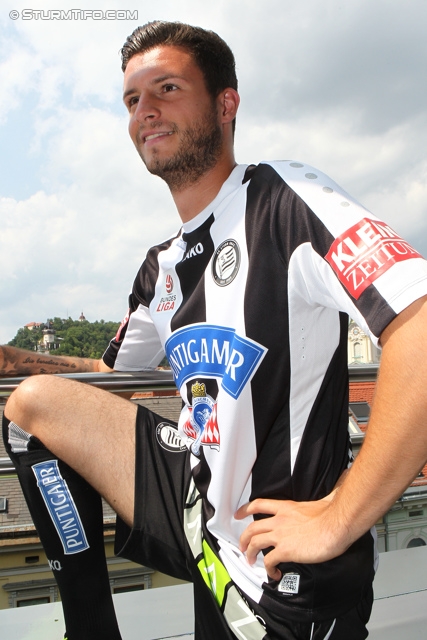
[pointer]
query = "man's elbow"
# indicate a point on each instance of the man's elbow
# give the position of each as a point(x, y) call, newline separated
point(104, 368)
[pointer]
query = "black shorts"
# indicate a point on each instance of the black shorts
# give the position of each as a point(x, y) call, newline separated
point(158, 540)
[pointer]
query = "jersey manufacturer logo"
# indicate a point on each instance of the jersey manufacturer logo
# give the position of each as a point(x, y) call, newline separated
point(194, 251)
point(366, 251)
point(54, 565)
point(202, 426)
point(61, 507)
point(169, 283)
point(168, 437)
point(226, 263)
point(214, 352)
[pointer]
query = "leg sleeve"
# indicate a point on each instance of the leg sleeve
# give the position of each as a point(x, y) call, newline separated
point(67, 513)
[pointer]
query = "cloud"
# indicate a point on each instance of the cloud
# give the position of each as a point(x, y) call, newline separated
point(87, 232)
point(338, 85)
point(385, 171)
point(17, 70)
point(365, 57)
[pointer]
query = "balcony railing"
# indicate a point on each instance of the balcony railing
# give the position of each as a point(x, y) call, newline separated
point(114, 382)
point(153, 380)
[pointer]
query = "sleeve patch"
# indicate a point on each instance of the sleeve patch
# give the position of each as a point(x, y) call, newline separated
point(364, 252)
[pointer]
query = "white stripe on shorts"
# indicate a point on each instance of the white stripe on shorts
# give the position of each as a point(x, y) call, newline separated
point(328, 635)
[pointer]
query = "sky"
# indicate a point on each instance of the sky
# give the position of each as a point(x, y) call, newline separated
point(336, 84)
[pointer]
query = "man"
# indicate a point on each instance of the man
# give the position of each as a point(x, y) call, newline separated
point(249, 302)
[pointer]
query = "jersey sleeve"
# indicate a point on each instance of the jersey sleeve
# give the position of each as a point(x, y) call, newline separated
point(137, 345)
point(345, 258)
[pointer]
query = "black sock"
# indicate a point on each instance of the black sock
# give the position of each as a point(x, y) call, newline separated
point(67, 513)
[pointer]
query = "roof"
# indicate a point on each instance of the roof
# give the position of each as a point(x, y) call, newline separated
point(362, 392)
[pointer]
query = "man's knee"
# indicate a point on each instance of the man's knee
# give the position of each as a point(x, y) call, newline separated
point(28, 400)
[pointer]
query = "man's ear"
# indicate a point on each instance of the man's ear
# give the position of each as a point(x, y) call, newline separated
point(229, 101)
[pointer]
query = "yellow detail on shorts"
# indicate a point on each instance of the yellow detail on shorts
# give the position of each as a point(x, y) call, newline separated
point(214, 573)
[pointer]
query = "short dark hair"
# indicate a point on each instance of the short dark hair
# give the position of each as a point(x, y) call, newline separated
point(211, 54)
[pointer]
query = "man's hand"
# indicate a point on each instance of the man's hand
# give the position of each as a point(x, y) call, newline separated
point(291, 530)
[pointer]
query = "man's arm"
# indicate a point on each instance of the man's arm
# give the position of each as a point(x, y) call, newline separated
point(394, 451)
point(19, 362)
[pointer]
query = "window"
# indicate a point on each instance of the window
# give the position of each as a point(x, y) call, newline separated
point(353, 427)
point(27, 593)
point(415, 513)
point(31, 601)
point(3, 505)
point(416, 542)
point(361, 410)
point(357, 350)
point(130, 580)
point(128, 588)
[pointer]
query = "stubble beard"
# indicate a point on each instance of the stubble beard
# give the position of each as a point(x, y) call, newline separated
point(199, 152)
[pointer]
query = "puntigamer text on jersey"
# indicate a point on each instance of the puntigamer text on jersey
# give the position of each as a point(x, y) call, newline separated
point(213, 351)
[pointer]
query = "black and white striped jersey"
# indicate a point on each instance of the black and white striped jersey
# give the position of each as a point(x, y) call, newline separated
point(250, 302)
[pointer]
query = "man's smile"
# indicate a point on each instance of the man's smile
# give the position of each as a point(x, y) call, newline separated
point(160, 134)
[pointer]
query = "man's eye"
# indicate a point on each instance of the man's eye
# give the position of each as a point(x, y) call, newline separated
point(131, 102)
point(169, 87)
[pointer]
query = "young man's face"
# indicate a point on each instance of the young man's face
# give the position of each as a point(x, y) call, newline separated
point(174, 121)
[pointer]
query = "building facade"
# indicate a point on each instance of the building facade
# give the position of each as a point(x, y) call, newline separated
point(405, 525)
point(360, 349)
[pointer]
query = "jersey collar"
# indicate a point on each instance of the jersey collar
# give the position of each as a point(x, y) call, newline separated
point(233, 182)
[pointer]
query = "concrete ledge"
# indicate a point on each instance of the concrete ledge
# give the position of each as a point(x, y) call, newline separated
point(400, 608)
point(143, 615)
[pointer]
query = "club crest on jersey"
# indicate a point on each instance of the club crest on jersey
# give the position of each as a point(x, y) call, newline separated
point(207, 350)
point(364, 252)
point(226, 263)
point(168, 438)
point(202, 426)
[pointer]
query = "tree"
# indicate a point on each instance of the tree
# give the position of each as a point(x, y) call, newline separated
point(27, 339)
point(82, 339)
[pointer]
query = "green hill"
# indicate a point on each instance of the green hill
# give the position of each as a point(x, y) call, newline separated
point(75, 338)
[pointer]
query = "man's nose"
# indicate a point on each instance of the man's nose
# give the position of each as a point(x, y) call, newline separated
point(146, 108)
